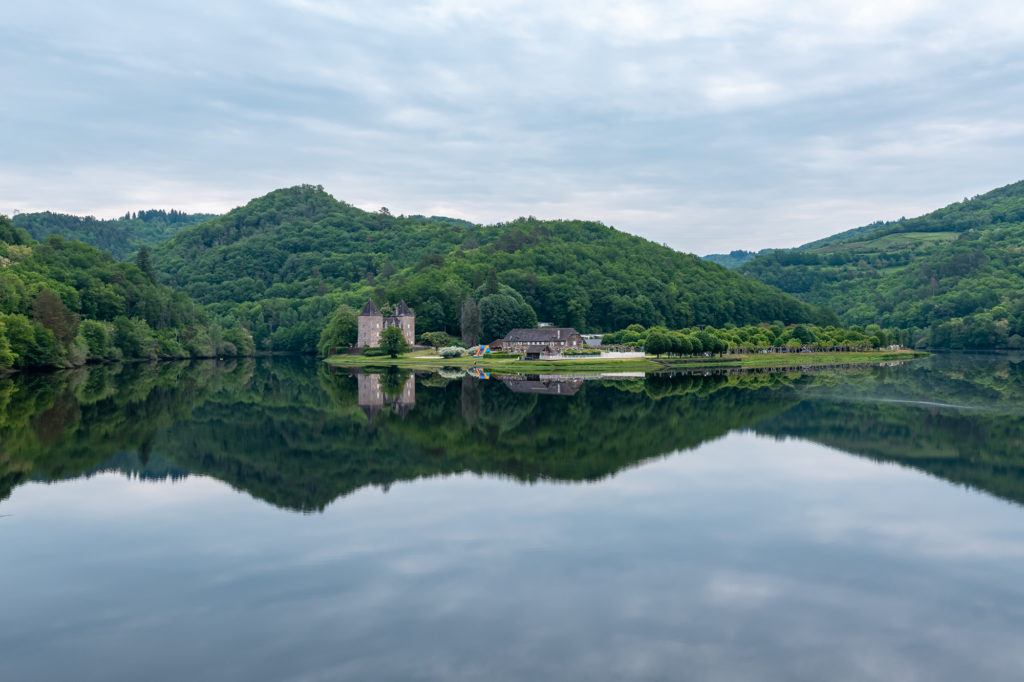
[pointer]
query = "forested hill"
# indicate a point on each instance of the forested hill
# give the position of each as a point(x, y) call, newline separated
point(954, 277)
point(296, 244)
point(64, 303)
point(120, 237)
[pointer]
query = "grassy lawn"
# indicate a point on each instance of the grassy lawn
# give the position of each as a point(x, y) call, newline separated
point(428, 361)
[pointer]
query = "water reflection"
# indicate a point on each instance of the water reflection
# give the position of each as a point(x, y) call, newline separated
point(299, 435)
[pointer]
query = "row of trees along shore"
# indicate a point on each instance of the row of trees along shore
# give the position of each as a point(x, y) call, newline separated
point(341, 330)
point(771, 338)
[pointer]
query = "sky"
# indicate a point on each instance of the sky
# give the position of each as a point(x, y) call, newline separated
point(707, 125)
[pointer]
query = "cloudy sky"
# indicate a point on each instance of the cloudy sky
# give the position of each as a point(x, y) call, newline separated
point(708, 125)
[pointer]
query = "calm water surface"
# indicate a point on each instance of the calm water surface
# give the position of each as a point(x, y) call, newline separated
point(274, 520)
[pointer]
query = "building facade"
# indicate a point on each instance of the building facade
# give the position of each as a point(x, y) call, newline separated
point(545, 340)
point(372, 323)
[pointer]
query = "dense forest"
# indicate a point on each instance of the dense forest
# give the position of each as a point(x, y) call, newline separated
point(65, 303)
point(284, 261)
point(120, 237)
point(954, 278)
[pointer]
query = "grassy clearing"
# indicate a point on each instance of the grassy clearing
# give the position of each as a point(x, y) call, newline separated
point(425, 360)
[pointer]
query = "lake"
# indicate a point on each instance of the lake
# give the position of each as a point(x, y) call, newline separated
point(276, 520)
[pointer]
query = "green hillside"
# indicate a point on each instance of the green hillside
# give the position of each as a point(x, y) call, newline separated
point(270, 263)
point(64, 303)
point(953, 277)
point(121, 236)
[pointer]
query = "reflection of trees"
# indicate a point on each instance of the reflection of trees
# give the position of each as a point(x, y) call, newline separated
point(291, 431)
point(976, 448)
point(68, 423)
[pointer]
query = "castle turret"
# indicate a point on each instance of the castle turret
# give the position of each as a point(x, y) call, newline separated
point(371, 323)
point(406, 319)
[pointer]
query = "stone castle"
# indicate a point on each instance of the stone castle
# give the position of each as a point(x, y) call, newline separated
point(372, 322)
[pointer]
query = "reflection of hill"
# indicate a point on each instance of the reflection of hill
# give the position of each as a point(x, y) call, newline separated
point(304, 459)
point(976, 448)
point(959, 417)
point(55, 426)
point(296, 435)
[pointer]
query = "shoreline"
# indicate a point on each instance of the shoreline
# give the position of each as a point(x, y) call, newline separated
point(647, 364)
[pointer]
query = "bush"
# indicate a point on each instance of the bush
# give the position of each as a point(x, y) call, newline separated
point(374, 352)
point(451, 352)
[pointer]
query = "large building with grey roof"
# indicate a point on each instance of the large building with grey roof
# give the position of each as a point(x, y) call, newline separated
point(543, 340)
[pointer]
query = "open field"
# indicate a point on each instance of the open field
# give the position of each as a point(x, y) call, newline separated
point(425, 360)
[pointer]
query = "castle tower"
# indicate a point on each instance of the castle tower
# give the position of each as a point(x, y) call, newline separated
point(371, 324)
point(406, 319)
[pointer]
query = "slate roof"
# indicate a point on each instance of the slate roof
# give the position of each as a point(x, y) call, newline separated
point(544, 335)
point(403, 310)
point(369, 309)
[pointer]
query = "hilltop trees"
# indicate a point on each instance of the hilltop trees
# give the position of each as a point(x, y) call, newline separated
point(292, 245)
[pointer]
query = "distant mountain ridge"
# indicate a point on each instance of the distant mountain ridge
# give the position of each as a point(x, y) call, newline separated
point(733, 259)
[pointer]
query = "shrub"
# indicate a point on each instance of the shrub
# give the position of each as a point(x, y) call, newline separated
point(451, 352)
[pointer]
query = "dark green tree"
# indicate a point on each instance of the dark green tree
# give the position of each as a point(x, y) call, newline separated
point(144, 264)
point(470, 322)
point(491, 287)
point(6, 356)
point(341, 330)
point(49, 311)
point(392, 341)
point(500, 313)
point(657, 343)
point(435, 339)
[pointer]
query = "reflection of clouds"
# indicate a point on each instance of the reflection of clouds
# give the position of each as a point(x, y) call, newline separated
point(746, 558)
point(105, 495)
point(947, 537)
point(743, 588)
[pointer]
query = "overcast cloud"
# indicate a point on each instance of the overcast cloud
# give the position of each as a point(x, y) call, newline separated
point(709, 125)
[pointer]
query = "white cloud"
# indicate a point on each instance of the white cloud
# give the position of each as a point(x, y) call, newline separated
point(710, 125)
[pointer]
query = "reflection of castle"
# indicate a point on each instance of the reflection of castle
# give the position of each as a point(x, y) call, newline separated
point(372, 322)
point(545, 384)
point(372, 397)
